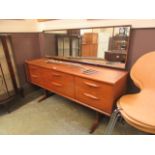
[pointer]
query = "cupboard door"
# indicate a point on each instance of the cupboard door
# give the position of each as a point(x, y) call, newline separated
point(87, 38)
point(93, 50)
point(94, 38)
point(85, 50)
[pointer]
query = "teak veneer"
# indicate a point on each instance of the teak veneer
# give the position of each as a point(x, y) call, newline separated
point(98, 91)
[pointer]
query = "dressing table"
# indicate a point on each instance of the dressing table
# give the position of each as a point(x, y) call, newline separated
point(77, 68)
point(94, 87)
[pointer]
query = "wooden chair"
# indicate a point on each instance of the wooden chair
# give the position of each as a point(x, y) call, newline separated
point(138, 110)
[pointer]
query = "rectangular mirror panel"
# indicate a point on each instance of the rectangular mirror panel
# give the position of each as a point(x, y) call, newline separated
point(98, 46)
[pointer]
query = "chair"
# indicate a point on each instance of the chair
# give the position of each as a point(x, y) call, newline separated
point(138, 109)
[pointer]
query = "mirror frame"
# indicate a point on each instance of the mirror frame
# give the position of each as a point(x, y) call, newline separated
point(91, 63)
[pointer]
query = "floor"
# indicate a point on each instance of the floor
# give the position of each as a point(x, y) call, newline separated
point(53, 116)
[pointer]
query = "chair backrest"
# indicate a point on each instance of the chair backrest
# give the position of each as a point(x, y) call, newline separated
point(143, 71)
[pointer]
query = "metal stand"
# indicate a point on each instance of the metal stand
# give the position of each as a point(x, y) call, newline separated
point(45, 96)
point(96, 123)
point(113, 120)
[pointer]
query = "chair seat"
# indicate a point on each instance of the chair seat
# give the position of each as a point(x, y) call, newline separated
point(138, 125)
point(139, 109)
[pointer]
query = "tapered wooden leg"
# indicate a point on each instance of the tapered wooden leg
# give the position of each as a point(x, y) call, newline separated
point(45, 96)
point(96, 123)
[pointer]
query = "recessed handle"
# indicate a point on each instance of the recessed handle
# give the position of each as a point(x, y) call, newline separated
point(91, 84)
point(56, 84)
point(91, 96)
point(33, 68)
point(56, 74)
point(34, 76)
point(54, 67)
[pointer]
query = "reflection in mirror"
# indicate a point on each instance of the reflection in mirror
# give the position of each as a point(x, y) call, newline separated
point(119, 45)
point(67, 43)
point(101, 46)
point(87, 41)
point(104, 35)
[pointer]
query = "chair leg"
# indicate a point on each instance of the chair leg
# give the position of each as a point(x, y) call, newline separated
point(113, 120)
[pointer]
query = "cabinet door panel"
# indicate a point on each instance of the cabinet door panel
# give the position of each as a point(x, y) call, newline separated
point(93, 50)
point(86, 50)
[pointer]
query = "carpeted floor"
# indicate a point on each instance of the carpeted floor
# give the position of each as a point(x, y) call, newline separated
point(54, 116)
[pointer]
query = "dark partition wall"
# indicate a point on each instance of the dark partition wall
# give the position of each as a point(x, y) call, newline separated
point(47, 44)
point(25, 46)
point(142, 41)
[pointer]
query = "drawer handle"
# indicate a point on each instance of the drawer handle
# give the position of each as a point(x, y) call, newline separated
point(34, 76)
point(33, 68)
point(55, 74)
point(91, 96)
point(57, 84)
point(54, 68)
point(91, 84)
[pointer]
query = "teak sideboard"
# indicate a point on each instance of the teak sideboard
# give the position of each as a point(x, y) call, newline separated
point(95, 87)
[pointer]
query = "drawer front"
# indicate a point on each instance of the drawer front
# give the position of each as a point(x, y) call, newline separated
point(63, 83)
point(35, 75)
point(95, 94)
point(46, 78)
point(52, 80)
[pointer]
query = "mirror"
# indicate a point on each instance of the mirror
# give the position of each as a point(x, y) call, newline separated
point(98, 46)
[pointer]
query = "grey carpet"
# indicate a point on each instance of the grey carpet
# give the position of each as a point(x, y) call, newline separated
point(54, 116)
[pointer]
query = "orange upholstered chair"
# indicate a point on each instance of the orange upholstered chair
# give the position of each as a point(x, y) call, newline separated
point(138, 110)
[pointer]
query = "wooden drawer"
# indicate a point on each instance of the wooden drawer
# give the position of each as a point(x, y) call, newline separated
point(52, 80)
point(63, 83)
point(35, 75)
point(40, 76)
point(46, 78)
point(95, 94)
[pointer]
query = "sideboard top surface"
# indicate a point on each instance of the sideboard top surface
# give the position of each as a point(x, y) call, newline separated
point(103, 74)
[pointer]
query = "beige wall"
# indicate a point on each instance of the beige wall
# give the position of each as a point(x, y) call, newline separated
point(19, 26)
point(77, 23)
point(34, 26)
